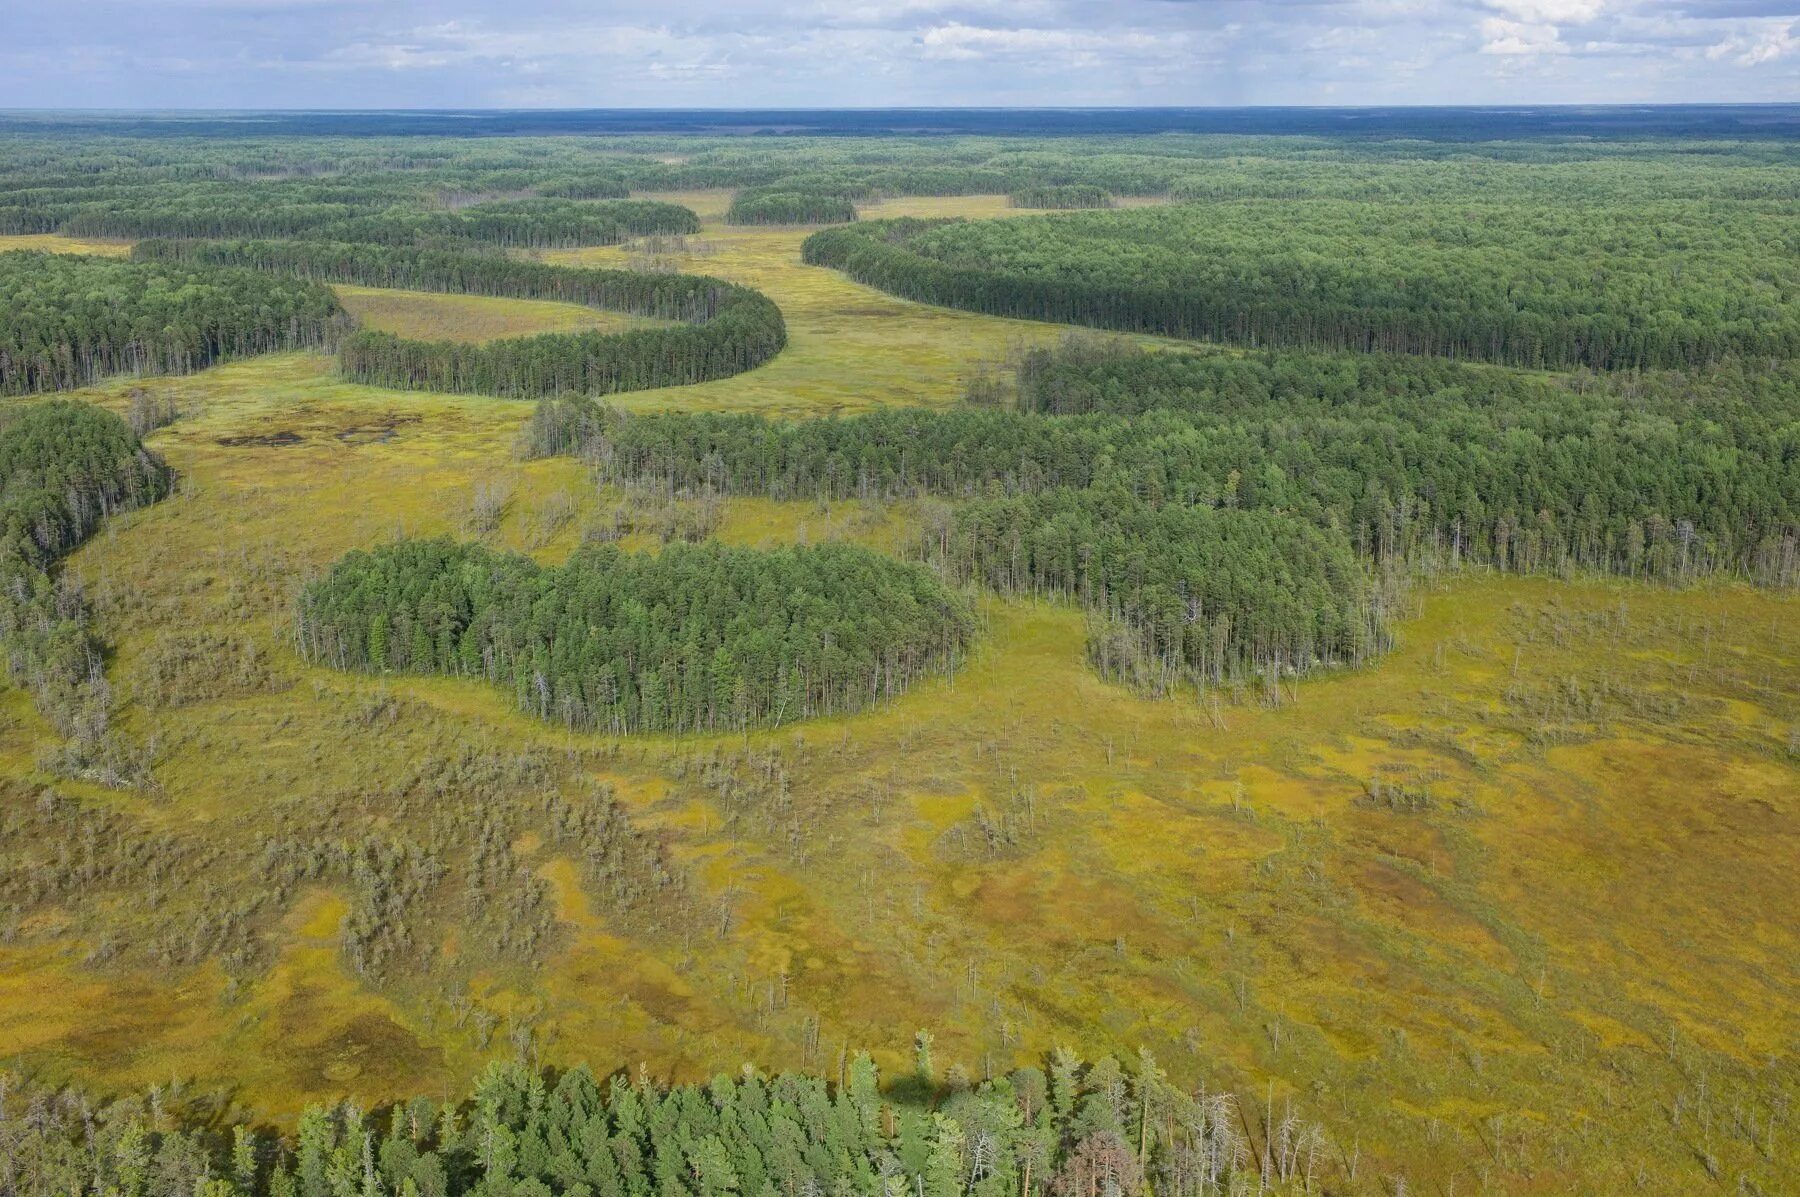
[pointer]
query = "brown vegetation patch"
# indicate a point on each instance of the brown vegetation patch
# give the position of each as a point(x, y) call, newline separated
point(376, 432)
point(370, 1043)
point(262, 440)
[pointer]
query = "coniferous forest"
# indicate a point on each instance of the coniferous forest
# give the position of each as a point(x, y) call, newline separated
point(1274, 640)
point(1217, 506)
point(1072, 1128)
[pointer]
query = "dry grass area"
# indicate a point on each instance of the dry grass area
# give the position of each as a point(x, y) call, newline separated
point(1512, 911)
point(57, 243)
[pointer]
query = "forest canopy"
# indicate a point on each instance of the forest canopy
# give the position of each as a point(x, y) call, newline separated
point(790, 207)
point(1669, 284)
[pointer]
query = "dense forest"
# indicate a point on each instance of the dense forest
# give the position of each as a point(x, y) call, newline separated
point(285, 186)
point(722, 329)
point(65, 467)
point(698, 638)
point(1186, 594)
point(1213, 508)
point(1071, 1129)
point(72, 320)
point(1671, 284)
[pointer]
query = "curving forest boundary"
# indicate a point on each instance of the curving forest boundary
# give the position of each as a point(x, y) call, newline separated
point(722, 329)
point(1672, 284)
point(692, 639)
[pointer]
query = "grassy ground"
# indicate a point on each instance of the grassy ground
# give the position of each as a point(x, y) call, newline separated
point(56, 243)
point(1513, 910)
point(424, 315)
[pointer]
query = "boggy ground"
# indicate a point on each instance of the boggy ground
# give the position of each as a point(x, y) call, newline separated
point(1513, 909)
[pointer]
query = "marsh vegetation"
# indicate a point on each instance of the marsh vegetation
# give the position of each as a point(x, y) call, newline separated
point(1378, 758)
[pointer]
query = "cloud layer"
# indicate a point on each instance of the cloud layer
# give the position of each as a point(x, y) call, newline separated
point(873, 53)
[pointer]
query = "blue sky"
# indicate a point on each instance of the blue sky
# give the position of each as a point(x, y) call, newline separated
point(858, 53)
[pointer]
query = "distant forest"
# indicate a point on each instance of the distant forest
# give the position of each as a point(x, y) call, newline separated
point(1671, 285)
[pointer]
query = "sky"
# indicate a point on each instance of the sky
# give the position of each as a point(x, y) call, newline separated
point(890, 53)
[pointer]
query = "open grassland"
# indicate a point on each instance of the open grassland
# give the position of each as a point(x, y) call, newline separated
point(57, 243)
point(1513, 907)
point(423, 315)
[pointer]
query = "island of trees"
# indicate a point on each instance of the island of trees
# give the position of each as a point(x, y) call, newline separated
point(694, 638)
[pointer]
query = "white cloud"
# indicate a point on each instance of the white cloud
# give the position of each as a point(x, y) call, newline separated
point(958, 41)
point(450, 53)
point(1520, 40)
point(1550, 12)
point(1770, 41)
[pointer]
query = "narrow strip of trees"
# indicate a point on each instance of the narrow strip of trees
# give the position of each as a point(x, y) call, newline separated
point(722, 329)
point(533, 223)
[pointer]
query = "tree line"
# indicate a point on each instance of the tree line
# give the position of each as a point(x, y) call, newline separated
point(1066, 1129)
point(536, 223)
point(1672, 284)
point(723, 329)
point(73, 320)
point(694, 638)
point(1061, 195)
